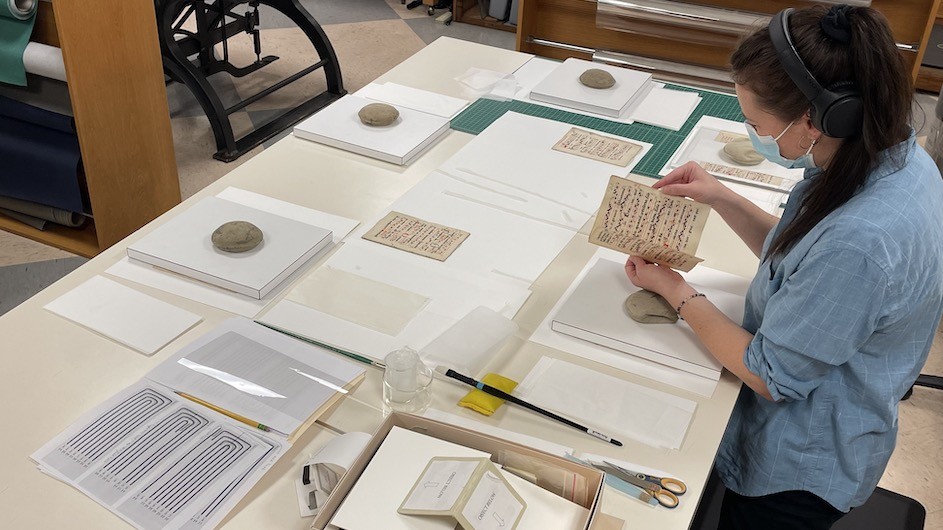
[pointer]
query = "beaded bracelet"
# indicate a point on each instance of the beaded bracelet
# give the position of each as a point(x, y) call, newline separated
point(686, 300)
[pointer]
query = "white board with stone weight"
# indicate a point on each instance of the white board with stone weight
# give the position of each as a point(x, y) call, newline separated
point(563, 86)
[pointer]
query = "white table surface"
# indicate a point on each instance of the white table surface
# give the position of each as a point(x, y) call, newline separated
point(53, 371)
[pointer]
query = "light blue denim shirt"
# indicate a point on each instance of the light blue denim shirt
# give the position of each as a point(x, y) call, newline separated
point(843, 324)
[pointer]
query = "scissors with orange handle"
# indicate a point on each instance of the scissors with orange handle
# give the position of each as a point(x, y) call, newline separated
point(664, 489)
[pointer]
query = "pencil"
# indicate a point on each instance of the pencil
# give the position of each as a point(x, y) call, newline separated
point(496, 392)
point(232, 415)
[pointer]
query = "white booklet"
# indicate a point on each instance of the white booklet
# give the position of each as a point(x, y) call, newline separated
point(338, 125)
point(563, 87)
point(184, 245)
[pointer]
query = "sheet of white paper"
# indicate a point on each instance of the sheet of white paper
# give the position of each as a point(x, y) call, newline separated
point(266, 358)
point(220, 298)
point(501, 242)
point(381, 488)
point(124, 315)
point(452, 294)
point(666, 108)
point(485, 428)
point(159, 461)
point(546, 511)
point(618, 408)
point(515, 156)
point(480, 79)
point(413, 98)
point(629, 363)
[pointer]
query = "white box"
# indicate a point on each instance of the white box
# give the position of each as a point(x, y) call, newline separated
point(183, 245)
point(338, 125)
point(563, 87)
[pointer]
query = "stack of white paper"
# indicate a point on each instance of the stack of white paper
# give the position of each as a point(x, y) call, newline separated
point(183, 245)
point(563, 87)
point(608, 404)
point(338, 125)
point(595, 312)
point(123, 314)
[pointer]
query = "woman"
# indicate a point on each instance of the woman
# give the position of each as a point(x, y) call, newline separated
point(841, 314)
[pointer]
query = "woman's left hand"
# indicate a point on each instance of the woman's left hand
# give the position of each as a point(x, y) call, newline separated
point(655, 278)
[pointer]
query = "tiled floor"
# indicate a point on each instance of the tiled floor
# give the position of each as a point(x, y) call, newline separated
point(370, 37)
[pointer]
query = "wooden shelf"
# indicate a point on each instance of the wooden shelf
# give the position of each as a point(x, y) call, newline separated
point(467, 12)
point(116, 86)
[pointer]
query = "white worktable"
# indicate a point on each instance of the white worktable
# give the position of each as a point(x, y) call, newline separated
point(53, 371)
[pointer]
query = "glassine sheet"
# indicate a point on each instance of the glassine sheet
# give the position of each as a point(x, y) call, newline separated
point(158, 461)
point(607, 403)
point(150, 276)
point(587, 144)
point(637, 219)
point(503, 242)
point(369, 303)
point(514, 155)
point(298, 378)
point(452, 294)
point(414, 235)
point(124, 315)
point(706, 142)
point(413, 98)
point(687, 381)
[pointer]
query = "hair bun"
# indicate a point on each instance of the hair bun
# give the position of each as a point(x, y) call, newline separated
point(835, 23)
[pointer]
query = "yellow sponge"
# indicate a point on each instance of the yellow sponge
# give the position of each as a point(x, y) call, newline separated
point(484, 403)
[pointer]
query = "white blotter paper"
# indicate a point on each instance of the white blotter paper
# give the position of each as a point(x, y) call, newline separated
point(515, 156)
point(629, 363)
point(563, 87)
point(618, 408)
point(595, 312)
point(122, 314)
point(338, 125)
point(377, 494)
point(183, 245)
point(176, 284)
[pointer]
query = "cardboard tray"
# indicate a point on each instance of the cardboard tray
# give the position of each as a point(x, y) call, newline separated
point(468, 438)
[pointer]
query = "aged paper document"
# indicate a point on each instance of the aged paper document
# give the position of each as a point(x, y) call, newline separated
point(745, 174)
point(594, 146)
point(641, 221)
point(405, 232)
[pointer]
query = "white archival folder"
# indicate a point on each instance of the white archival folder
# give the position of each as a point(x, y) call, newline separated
point(338, 125)
point(563, 87)
point(594, 312)
point(183, 245)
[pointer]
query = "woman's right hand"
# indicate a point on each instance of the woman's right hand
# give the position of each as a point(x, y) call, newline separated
point(691, 180)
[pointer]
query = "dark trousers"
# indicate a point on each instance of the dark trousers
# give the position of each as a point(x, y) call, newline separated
point(789, 510)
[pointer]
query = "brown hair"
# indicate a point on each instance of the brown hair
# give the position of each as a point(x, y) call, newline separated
point(871, 62)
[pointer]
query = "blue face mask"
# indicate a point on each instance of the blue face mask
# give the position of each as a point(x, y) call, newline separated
point(767, 146)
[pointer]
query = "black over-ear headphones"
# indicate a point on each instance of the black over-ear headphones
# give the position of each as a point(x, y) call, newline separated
point(836, 111)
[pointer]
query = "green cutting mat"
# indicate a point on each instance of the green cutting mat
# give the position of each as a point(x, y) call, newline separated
point(482, 113)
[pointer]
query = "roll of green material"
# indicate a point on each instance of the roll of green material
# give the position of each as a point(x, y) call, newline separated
point(16, 25)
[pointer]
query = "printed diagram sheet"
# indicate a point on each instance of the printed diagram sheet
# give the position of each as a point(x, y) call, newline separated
point(158, 461)
point(642, 221)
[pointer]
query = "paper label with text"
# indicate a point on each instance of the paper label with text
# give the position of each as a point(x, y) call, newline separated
point(642, 221)
point(414, 235)
point(745, 174)
point(594, 146)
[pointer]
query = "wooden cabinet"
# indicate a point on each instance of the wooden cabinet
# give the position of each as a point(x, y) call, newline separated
point(930, 78)
point(564, 28)
point(116, 85)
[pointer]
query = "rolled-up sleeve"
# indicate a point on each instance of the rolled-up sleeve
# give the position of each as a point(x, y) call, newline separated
point(817, 319)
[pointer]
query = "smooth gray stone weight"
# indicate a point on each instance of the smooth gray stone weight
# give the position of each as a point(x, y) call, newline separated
point(649, 308)
point(741, 152)
point(237, 236)
point(596, 78)
point(378, 114)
